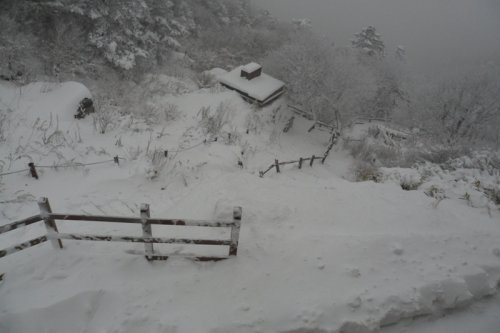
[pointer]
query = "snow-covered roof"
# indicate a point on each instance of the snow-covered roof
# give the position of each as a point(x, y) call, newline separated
point(251, 67)
point(259, 88)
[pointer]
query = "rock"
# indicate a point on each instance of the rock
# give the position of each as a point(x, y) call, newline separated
point(397, 249)
point(85, 108)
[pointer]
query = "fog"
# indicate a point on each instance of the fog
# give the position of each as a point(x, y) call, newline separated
point(437, 34)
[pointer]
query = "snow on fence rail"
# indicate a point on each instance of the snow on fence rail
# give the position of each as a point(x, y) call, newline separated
point(49, 218)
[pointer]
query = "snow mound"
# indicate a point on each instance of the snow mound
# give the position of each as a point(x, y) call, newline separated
point(46, 99)
point(75, 315)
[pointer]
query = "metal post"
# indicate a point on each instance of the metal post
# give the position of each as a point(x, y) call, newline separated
point(33, 172)
point(50, 224)
point(147, 231)
point(235, 231)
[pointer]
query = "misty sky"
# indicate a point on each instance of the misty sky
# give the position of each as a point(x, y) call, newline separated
point(435, 33)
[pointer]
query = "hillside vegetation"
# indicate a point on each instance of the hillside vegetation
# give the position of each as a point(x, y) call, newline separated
point(91, 38)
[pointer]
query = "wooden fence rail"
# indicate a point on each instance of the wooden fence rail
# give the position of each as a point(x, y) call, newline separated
point(145, 221)
point(276, 165)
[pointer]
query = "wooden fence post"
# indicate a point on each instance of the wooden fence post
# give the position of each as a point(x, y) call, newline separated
point(235, 231)
point(116, 159)
point(300, 163)
point(276, 163)
point(33, 172)
point(147, 231)
point(50, 224)
point(312, 160)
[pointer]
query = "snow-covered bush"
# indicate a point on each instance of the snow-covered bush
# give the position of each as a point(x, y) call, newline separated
point(3, 125)
point(435, 192)
point(410, 181)
point(364, 171)
point(170, 111)
point(156, 161)
point(372, 152)
point(157, 110)
point(493, 194)
point(213, 121)
point(106, 115)
point(205, 80)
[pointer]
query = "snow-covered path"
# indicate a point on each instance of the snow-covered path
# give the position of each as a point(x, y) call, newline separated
point(316, 252)
point(481, 317)
point(346, 256)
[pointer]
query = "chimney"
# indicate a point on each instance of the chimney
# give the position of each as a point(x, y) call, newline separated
point(251, 71)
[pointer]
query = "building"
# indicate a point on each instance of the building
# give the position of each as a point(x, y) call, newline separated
point(253, 85)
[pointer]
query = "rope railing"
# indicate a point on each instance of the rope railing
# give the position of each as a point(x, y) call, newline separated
point(32, 167)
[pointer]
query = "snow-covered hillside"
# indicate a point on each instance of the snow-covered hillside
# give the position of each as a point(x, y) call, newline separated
point(317, 252)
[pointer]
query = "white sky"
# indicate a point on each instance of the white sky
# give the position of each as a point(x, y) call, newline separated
point(436, 33)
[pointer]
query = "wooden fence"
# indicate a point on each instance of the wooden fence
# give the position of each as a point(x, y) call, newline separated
point(300, 162)
point(276, 165)
point(145, 221)
point(300, 112)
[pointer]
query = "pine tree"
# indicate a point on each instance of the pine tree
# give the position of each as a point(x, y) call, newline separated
point(369, 41)
point(400, 53)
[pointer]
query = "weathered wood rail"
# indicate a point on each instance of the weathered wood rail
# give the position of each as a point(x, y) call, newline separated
point(300, 162)
point(276, 165)
point(300, 112)
point(145, 221)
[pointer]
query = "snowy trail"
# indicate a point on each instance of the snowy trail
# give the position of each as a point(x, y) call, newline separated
point(315, 265)
point(316, 252)
point(481, 317)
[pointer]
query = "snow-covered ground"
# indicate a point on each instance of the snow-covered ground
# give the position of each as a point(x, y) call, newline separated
point(317, 252)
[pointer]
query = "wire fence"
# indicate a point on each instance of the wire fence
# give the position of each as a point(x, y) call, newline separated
point(32, 167)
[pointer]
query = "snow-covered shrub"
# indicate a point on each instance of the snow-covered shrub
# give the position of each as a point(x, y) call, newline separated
point(373, 153)
point(106, 115)
point(205, 80)
point(170, 111)
point(217, 88)
point(487, 161)
point(440, 154)
point(157, 110)
point(493, 194)
point(278, 120)
point(156, 163)
point(410, 181)
point(213, 121)
point(3, 125)
point(366, 172)
point(435, 192)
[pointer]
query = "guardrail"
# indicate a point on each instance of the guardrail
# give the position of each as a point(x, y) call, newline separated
point(49, 218)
